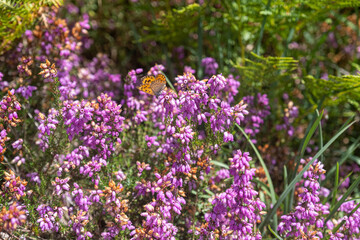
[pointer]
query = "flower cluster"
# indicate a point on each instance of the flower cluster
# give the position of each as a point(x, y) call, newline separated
point(350, 229)
point(9, 106)
point(13, 217)
point(259, 109)
point(110, 161)
point(116, 207)
point(307, 217)
point(290, 114)
point(13, 189)
point(13, 186)
point(47, 126)
point(3, 139)
point(196, 103)
point(47, 218)
point(236, 210)
point(210, 66)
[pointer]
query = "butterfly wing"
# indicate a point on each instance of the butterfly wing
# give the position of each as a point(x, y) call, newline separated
point(146, 88)
point(158, 85)
point(161, 77)
point(153, 85)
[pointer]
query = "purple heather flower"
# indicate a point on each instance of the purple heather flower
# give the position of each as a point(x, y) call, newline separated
point(14, 186)
point(259, 109)
point(185, 134)
point(120, 175)
point(222, 174)
point(228, 137)
point(231, 88)
point(217, 83)
point(34, 177)
point(237, 209)
point(60, 185)
point(151, 141)
point(155, 70)
point(26, 91)
point(188, 69)
point(291, 113)
point(210, 66)
point(48, 215)
point(78, 222)
point(17, 144)
point(309, 210)
point(14, 217)
point(72, 9)
point(18, 160)
point(80, 199)
point(141, 167)
point(46, 127)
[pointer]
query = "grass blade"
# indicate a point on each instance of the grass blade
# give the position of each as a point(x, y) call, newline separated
point(336, 186)
point(263, 185)
point(311, 133)
point(305, 141)
point(219, 164)
point(299, 176)
point(320, 136)
point(271, 186)
point(169, 82)
point(343, 221)
point(258, 44)
point(302, 144)
point(274, 233)
point(345, 156)
point(342, 200)
point(285, 186)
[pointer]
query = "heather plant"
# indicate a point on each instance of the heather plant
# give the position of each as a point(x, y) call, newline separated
point(235, 145)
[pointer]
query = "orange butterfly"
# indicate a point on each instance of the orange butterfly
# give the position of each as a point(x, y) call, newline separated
point(153, 85)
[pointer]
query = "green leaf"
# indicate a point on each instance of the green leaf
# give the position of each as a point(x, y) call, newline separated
point(336, 184)
point(274, 233)
point(311, 133)
point(263, 186)
point(219, 164)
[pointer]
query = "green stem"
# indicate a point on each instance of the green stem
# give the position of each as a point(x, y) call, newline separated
point(200, 47)
point(258, 44)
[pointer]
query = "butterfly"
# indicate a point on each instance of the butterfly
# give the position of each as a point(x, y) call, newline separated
point(153, 85)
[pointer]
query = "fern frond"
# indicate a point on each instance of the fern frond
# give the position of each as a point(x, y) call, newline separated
point(336, 89)
point(262, 71)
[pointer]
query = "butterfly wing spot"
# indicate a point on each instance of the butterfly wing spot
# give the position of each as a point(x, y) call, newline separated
point(147, 79)
point(146, 88)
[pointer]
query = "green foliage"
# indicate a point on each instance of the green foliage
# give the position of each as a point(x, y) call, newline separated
point(184, 20)
point(333, 4)
point(335, 90)
point(261, 72)
point(17, 16)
